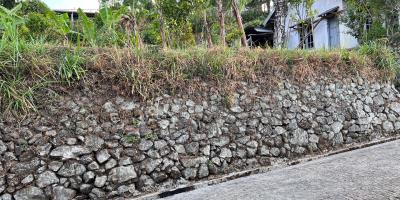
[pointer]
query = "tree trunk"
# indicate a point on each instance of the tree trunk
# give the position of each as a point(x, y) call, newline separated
point(236, 13)
point(281, 10)
point(221, 21)
point(137, 32)
point(162, 29)
point(207, 31)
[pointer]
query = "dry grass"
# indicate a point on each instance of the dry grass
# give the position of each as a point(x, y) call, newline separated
point(149, 72)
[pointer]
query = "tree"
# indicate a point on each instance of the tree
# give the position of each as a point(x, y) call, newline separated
point(7, 3)
point(236, 13)
point(177, 15)
point(221, 17)
point(281, 11)
point(207, 30)
point(372, 19)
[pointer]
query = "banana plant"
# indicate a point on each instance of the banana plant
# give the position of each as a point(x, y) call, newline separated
point(110, 21)
point(62, 24)
point(88, 28)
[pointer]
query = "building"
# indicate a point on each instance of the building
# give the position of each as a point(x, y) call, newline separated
point(324, 30)
point(70, 7)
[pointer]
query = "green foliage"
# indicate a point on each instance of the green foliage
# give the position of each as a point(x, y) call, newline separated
point(72, 67)
point(88, 28)
point(383, 57)
point(7, 3)
point(36, 25)
point(360, 12)
point(33, 6)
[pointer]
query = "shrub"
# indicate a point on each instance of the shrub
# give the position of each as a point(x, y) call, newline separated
point(383, 57)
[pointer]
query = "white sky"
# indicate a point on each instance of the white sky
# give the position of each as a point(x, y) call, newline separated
point(72, 4)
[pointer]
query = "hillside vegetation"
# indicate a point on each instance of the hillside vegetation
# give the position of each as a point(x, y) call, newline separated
point(98, 53)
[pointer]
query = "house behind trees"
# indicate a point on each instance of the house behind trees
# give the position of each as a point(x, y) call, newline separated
point(321, 29)
point(317, 27)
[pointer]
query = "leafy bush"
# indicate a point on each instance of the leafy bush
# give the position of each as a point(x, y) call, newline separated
point(383, 57)
point(37, 24)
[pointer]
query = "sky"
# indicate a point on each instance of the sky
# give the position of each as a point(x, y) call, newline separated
point(72, 4)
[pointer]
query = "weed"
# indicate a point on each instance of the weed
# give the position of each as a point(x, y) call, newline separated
point(136, 123)
point(131, 139)
point(150, 136)
point(17, 95)
point(72, 66)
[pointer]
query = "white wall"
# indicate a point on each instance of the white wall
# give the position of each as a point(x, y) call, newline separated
point(321, 36)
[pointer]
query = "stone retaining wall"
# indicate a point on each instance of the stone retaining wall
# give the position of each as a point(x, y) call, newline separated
point(87, 146)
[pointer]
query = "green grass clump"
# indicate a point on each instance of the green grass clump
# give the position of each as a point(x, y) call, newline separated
point(72, 66)
point(383, 57)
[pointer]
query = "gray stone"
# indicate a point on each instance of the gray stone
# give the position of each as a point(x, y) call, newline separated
point(378, 100)
point(203, 171)
point(163, 124)
point(395, 106)
point(55, 165)
point(3, 147)
point(387, 126)
point(159, 144)
point(206, 150)
point(97, 193)
point(69, 152)
point(221, 141)
point(264, 151)
point(88, 176)
point(252, 144)
point(100, 181)
point(30, 193)
point(109, 107)
point(159, 177)
point(27, 179)
point(6, 197)
point(313, 138)
point(275, 151)
point(93, 166)
point(180, 149)
point(192, 148)
point(102, 156)
point(71, 169)
point(193, 161)
point(280, 130)
point(110, 164)
point(151, 164)
point(236, 109)
point(122, 174)
point(190, 173)
point(46, 178)
point(337, 127)
point(338, 139)
point(71, 141)
point(354, 128)
point(299, 137)
point(145, 145)
point(93, 142)
point(62, 193)
point(225, 153)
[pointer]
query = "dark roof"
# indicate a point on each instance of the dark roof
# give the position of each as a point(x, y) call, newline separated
point(329, 12)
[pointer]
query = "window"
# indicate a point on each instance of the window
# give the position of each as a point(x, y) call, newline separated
point(306, 37)
point(368, 24)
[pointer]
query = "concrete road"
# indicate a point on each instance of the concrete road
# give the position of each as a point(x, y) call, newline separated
point(370, 173)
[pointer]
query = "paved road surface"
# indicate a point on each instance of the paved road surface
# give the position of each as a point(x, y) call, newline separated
point(370, 173)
